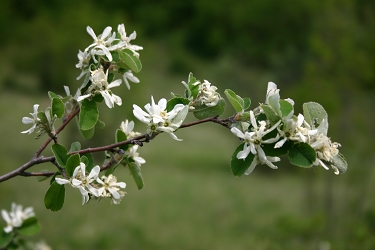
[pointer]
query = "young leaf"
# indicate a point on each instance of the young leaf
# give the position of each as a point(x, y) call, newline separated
point(302, 155)
point(176, 100)
point(52, 95)
point(239, 166)
point(121, 136)
point(194, 88)
point(29, 227)
point(88, 159)
point(71, 164)
point(61, 154)
point(285, 107)
point(75, 146)
point(5, 239)
point(130, 60)
point(339, 162)
point(58, 107)
point(54, 198)
point(88, 115)
point(202, 111)
point(42, 116)
point(314, 113)
point(270, 113)
point(236, 101)
point(87, 134)
point(246, 103)
point(136, 173)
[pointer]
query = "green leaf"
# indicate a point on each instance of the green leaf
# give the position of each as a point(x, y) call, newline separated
point(75, 146)
point(61, 154)
point(121, 136)
point(270, 113)
point(274, 102)
point(54, 198)
point(88, 115)
point(136, 173)
point(339, 162)
point(176, 100)
point(130, 60)
point(29, 227)
point(202, 111)
point(52, 95)
point(181, 115)
point(90, 163)
point(42, 116)
point(239, 166)
point(100, 124)
point(314, 113)
point(58, 107)
point(270, 150)
point(71, 164)
point(286, 108)
point(236, 101)
point(193, 88)
point(87, 134)
point(5, 239)
point(246, 103)
point(302, 155)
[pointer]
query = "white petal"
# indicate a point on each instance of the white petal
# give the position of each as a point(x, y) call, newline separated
point(27, 120)
point(107, 98)
point(115, 83)
point(254, 163)
point(116, 99)
point(80, 98)
point(91, 32)
point(94, 172)
point(62, 181)
point(106, 32)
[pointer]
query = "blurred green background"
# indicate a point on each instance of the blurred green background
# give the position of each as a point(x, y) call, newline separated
point(320, 51)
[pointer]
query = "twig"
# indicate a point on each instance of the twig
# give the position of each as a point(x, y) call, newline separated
point(137, 140)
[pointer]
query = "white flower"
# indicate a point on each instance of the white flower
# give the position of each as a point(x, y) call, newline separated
point(99, 85)
point(127, 127)
point(295, 130)
point(34, 120)
point(158, 119)
point(111, 188)
point(82, 182)
point(83, 63)
point(125, 40)
point(16, 216)
point(99, 46)
point(254, 140)
point(268, 160)
point(325, 149)
point(207, 94)
point(133, 154)
point(128, 75)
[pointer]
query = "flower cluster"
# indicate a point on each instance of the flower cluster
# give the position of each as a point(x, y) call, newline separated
point(92, 186)
point(100, 85)
point(158, 119)
point(16, 216)
point(35, 121)
point(131, 152)
point(103, 55)
point(287, 128)
point(205, 93)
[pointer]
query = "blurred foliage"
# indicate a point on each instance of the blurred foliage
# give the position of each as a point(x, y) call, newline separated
point(320, 51)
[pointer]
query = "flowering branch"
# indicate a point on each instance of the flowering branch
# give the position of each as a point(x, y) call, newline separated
point(266, 132)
